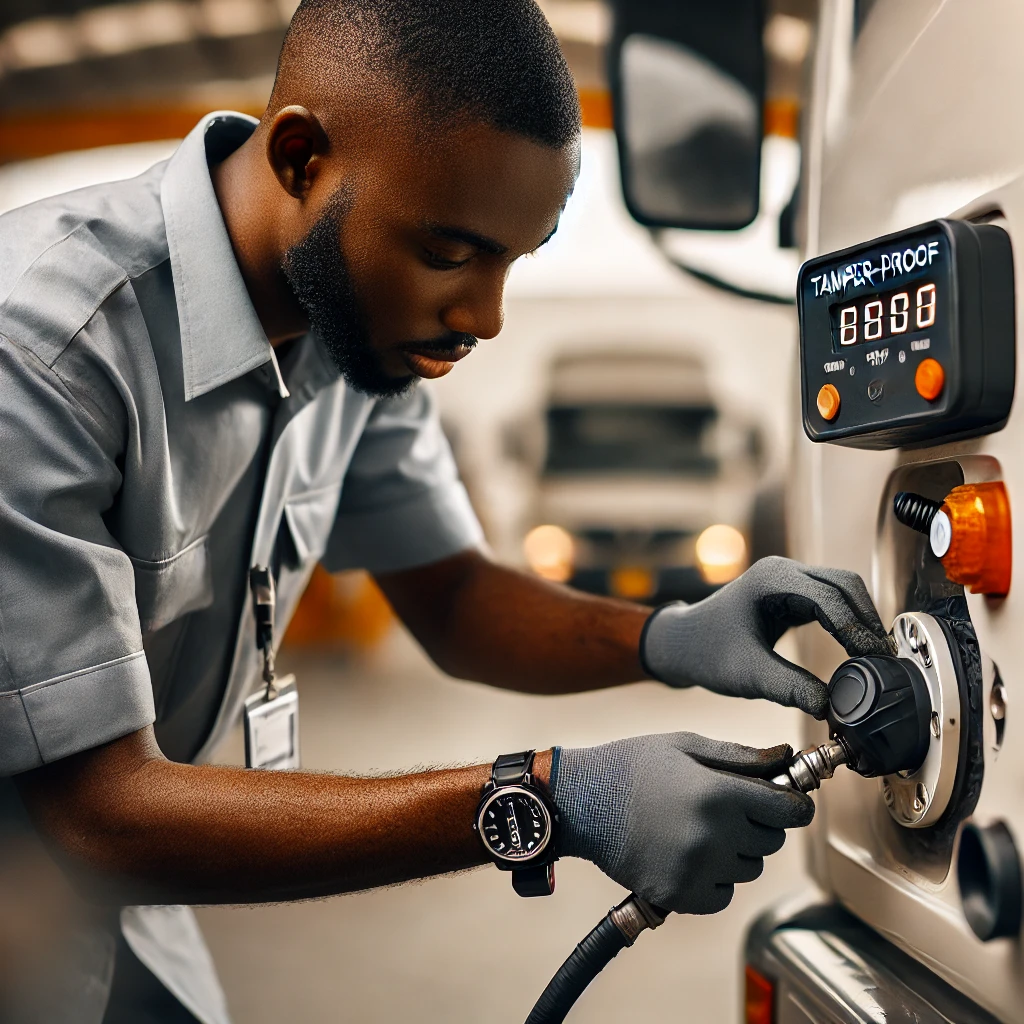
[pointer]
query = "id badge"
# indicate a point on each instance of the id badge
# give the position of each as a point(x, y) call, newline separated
point(272, 727)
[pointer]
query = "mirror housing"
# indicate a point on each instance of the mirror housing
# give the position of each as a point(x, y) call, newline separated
point(688, 88)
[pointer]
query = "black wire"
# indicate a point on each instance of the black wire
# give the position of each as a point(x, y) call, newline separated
point(586, 961)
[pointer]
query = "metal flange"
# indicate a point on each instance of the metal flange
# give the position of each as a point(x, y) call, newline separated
point(918, 799)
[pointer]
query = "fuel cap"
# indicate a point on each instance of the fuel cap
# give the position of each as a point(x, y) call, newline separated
point(880, 708)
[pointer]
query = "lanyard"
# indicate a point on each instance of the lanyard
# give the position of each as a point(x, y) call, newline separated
point(264, 603)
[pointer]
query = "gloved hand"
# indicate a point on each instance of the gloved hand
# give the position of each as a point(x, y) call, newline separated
point(677, 818)
point(725, 643)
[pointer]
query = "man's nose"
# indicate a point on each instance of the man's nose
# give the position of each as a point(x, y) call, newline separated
point(480, 313)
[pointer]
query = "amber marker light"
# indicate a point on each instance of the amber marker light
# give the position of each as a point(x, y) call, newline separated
point(972, 535)
point(759, 998)
point(550, 552)
point(634, 583)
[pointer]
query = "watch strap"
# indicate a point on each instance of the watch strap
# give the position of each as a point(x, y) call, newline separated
point(510, 769)
point(536, 881)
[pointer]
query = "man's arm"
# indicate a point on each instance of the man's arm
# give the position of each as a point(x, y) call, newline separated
point(141, 829)
point(493, 624)
point(482, 621)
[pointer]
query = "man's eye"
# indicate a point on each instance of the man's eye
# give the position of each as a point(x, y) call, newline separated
point(435, 259)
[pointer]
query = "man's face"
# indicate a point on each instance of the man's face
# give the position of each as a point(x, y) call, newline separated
point(405, 266)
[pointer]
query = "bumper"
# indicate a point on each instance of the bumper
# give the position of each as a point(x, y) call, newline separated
point(828, 967)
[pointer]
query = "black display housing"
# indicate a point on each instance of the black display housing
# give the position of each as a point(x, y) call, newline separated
point(972, 337)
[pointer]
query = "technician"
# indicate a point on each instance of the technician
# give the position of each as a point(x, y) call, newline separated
point(211, 369)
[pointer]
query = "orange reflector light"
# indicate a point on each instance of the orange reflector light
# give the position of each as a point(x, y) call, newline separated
point(980, 554)
point(828, 402)
point(633, 583)
point(930, 379)
point(759, 1000)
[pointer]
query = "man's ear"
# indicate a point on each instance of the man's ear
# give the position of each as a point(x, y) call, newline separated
point(296, 145)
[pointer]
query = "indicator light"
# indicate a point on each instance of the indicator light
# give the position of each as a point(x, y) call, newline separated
point(828, 402)
point(930, 379)
point(970, 532)
point(759, 998)
point(979, 551)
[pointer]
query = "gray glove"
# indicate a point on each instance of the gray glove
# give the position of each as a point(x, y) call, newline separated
point(677, 818)
point(725, 643)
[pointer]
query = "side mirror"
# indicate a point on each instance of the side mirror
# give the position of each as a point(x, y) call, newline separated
point(688, 86)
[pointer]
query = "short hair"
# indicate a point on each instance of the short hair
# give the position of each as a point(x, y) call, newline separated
point(494, 61)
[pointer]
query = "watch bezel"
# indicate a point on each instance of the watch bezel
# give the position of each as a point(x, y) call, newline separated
point(533, 856)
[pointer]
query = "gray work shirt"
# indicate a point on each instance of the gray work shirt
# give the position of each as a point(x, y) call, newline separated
point(152, 448)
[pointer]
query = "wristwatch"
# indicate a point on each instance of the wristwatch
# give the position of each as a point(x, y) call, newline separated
point(517, 821)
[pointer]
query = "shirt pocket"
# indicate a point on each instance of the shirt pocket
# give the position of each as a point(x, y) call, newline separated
point(168, 589)
point(310, 519)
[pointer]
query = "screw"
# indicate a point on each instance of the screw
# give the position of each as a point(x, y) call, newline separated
point(925, 654)
point(936, 730)
point(920, 797)
point(997, 702)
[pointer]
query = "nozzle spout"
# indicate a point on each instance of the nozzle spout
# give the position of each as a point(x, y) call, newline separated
point(811, 766)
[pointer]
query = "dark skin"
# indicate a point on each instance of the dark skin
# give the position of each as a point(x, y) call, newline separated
point(434, 227)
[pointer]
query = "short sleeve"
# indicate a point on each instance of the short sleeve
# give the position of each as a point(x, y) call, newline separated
point(73, 673)
point(402, 503)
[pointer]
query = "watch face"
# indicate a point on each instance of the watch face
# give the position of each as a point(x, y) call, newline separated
point(514, 824)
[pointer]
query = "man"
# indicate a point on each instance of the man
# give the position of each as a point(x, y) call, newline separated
point(212, 368)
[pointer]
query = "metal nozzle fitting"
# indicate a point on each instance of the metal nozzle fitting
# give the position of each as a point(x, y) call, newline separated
point(811, 766)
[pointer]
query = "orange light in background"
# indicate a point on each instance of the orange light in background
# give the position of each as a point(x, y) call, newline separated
point(550, 552)
point(596, 108)
point(633, 583)
point(980, 554)
point(721, 553)
point(759, 998)
point(343, 610)
point(782, 117)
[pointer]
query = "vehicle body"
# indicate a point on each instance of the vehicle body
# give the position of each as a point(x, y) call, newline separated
point(904, 126)
point(904, 122)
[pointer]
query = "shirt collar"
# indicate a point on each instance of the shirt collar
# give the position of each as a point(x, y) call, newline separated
point(221, 335)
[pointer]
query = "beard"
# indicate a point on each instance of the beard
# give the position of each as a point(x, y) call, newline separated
point(318, 275)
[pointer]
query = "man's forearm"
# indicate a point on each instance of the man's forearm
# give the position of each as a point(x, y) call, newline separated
point(483, 621)
point(144, 829)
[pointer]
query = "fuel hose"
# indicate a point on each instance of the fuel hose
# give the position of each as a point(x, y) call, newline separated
point(616, 930)
point(623, 923)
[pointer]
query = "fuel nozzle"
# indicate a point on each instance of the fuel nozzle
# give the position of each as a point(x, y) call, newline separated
point(879, 715)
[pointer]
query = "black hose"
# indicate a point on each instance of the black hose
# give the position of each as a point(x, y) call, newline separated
point(915, 510)
point(585, 962)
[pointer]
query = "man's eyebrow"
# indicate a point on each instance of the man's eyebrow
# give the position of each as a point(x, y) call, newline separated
point(457, 234)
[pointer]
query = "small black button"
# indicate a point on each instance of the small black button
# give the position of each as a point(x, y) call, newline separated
point(846, 692)
point(875, 389)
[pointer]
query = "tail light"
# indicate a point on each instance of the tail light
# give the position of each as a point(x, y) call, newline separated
point(759, 998)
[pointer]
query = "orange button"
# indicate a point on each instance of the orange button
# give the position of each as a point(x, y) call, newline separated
point(930, 379)
point(828, 402)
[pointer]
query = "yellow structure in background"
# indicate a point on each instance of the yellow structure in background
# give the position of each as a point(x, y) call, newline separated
point(346, 610)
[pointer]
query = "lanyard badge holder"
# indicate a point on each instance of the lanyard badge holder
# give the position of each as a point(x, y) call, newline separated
point(271, 715)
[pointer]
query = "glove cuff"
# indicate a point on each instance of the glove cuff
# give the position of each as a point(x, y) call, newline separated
point(659, 644)
point(591, 789)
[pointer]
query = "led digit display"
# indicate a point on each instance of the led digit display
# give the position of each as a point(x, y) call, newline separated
point(872, 314)
point(883, 316)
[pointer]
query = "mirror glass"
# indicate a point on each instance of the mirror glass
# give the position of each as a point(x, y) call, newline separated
point(691, 136)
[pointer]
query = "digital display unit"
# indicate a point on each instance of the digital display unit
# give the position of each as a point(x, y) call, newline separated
point(908, 338)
